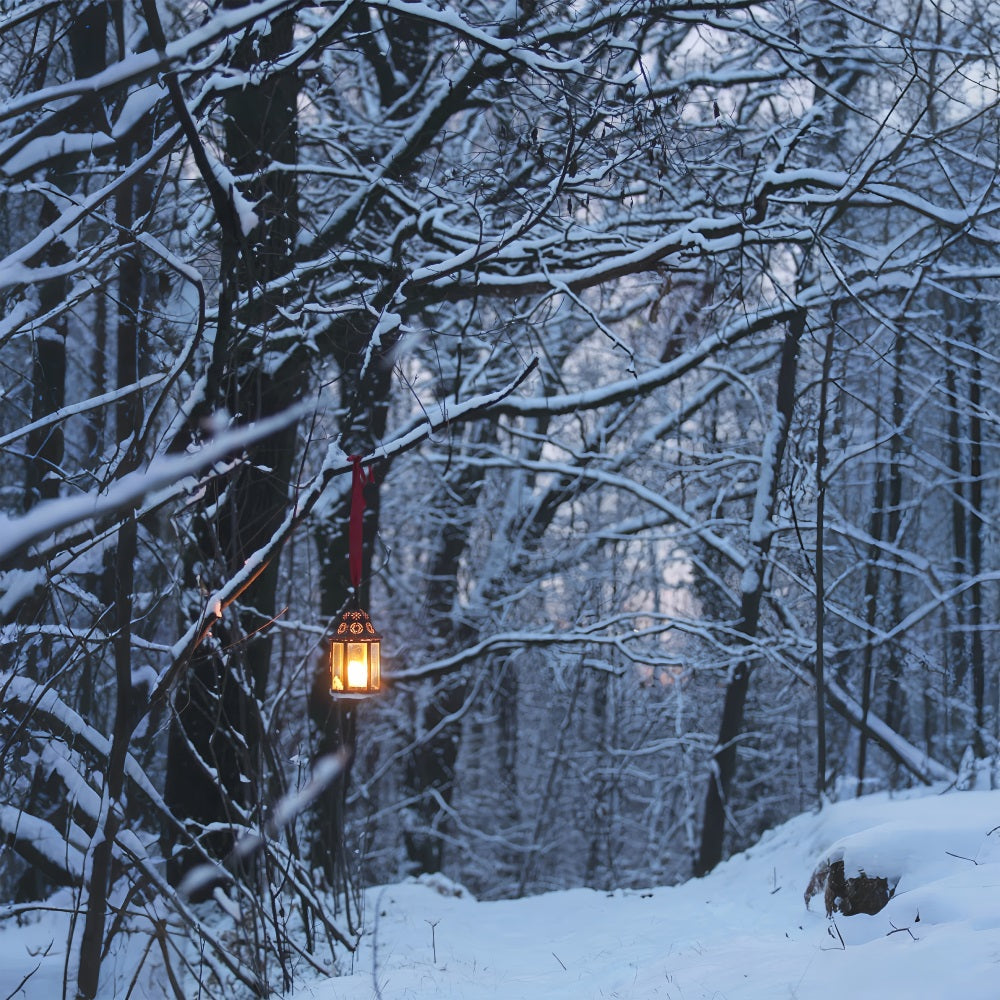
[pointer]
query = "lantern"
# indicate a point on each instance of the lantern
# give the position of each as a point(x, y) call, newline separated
point(355, 661)
point(355, 666)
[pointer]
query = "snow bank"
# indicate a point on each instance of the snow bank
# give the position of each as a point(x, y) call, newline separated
point(742, 933)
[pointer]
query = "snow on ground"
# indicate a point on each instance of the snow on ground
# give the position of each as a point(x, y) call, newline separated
point(742, 933)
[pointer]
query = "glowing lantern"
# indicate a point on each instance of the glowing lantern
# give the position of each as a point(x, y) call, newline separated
point(355, 658)
point(355, 662)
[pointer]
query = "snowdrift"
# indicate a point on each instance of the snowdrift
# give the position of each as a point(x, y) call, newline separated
point(742, 933)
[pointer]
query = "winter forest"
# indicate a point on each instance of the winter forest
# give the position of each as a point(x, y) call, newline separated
point(667, 332)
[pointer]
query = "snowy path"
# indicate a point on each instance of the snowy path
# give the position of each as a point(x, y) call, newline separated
point(743, 933)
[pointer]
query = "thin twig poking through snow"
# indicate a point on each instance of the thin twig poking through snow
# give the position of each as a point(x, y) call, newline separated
point(434, 948)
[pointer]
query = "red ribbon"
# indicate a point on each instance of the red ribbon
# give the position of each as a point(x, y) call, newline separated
point(356, 534)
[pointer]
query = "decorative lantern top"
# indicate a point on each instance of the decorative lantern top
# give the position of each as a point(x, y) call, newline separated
point(356, 626)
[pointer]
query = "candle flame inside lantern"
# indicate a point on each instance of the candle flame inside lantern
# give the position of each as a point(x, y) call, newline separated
point(357, 667)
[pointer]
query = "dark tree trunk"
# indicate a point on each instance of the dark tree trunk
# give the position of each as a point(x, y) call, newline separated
point(895, 709)
point(599, 854)
point(429, 775)
point(335, 722)
point(44, 473)
point(48, 389)
point(977, 656)
point(723, 765)
point(956, 645)
point(397, 66)
point(336, 727)
point(871, 616)
point(216, 736)
point(820, 603)
point(430, 772)
point(100, 874)
point(365, 393)
point(87, 37)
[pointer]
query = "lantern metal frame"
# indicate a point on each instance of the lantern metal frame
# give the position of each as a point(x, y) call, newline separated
point(355, 643)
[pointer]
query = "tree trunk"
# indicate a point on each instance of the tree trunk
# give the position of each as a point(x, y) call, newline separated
point(429, 776)
point(723, 765)
point(216, 732)
point(955, 643)
point(895, 709)
point(820, 603)
point(977, 656)
point(871, 616)
point(365, 395)
point(112, 805)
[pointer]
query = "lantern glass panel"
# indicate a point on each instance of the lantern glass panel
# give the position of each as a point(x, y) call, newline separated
point(374, 668)
point(357, 665)
point(337, 666)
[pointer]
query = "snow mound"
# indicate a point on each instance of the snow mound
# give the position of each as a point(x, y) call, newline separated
point(442, 884)
point(920, 840)
point(742, 933)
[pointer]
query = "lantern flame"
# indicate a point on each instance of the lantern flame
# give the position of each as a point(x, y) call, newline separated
point(357, 673)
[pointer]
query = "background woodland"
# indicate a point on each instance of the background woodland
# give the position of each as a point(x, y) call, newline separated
point(669, 330)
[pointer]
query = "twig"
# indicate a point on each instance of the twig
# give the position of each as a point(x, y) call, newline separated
point(17, 989)
point(434, 950)
point(840, 938)
point(962, 857)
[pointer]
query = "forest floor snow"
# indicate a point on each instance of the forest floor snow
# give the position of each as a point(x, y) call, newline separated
point(742, 933)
